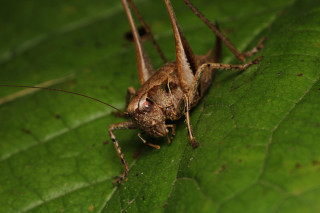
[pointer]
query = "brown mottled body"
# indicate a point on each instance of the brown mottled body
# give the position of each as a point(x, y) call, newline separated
point(164, 92)
point(170, 92)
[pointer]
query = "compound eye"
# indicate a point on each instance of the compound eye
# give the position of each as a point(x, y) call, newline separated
point(147, 105)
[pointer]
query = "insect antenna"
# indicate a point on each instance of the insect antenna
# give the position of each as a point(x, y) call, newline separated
point(60, 90)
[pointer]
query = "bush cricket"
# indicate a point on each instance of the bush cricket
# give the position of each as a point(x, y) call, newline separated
point(168, 93)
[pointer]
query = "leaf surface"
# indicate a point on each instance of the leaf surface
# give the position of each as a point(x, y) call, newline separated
point(258, 130)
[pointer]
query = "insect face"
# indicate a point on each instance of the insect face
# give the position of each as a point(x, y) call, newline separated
point(148, 115)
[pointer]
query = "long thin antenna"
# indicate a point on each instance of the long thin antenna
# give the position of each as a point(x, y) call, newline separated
point(60, 90)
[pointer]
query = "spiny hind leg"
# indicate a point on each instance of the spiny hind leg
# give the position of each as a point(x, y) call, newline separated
point(148, 31)
point(239, 67)
point(215, 29)
point(255, 49)
point(122, 125)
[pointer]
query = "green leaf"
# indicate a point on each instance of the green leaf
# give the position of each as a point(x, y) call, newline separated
point(258, 130)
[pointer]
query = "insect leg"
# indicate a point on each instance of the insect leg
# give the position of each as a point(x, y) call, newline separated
point(217, 52)
point(255, 49)
point(145, 68)
point(192, 140)
point(185, 58)
point(149, 144)
point(148, 30)
point(231, 66)
point(173, 132)
point(213, 66)
point(239, 55)
point(190, 98)
point(112, 127)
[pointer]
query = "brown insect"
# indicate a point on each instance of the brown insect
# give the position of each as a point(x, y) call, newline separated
point(170, 92)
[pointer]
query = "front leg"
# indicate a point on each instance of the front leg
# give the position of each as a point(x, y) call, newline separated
point(122, 125)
